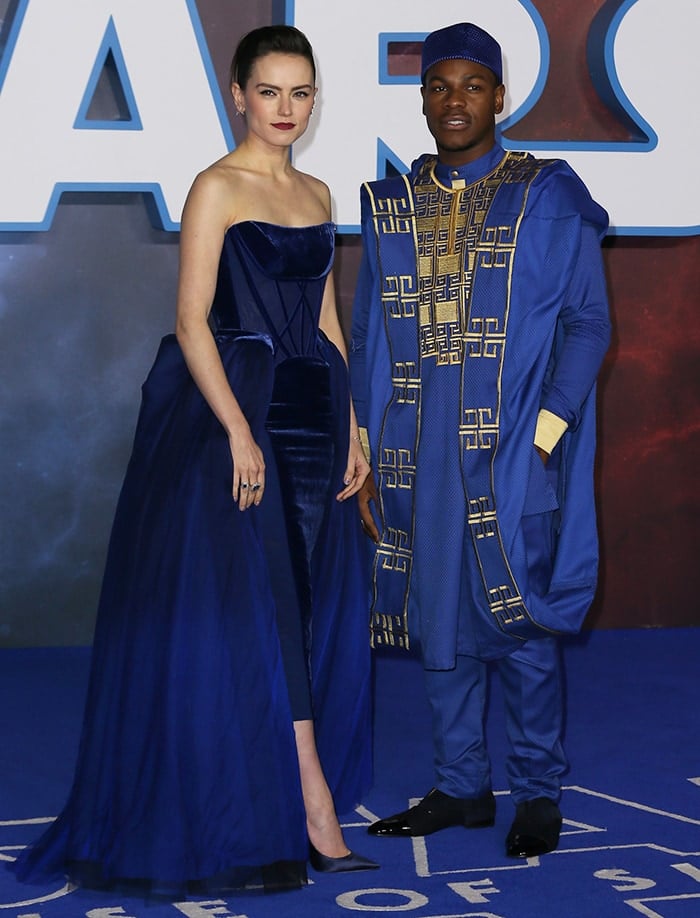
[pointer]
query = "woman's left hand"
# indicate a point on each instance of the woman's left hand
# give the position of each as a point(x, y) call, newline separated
point(356, 472)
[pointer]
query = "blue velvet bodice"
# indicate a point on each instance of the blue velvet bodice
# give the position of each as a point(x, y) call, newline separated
point(271, 281)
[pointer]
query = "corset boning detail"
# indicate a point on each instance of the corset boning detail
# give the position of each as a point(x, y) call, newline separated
point(271, 281)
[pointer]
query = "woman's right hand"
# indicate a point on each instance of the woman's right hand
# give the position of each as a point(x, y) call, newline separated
point(248, 469)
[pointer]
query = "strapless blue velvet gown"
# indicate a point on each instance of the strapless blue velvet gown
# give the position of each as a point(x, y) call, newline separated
point(214, 622)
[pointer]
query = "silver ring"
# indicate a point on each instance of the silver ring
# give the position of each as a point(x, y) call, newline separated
point(256, 486)
point(244, 484)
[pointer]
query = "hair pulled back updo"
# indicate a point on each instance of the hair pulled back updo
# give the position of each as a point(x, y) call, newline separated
point(280, 39)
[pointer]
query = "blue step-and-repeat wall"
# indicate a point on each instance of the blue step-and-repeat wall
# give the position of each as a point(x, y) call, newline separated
point(107, 111)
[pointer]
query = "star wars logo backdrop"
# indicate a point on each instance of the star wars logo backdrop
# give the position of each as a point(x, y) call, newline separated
point(107, 111)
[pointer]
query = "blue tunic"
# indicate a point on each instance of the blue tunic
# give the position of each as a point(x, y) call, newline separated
point(478, 304)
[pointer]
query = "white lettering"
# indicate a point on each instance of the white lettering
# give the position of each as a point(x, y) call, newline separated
point(644, 185)
point(45, 86)
point(474, 890)
point(366, 116)
point(113, 912)
point(626, 882)
point(413, 901)
point(205, 909)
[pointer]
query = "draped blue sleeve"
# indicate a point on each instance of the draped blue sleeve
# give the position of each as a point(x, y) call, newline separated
point(583, 332)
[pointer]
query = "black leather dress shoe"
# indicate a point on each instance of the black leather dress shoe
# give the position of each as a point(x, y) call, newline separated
point(535, 829)
point(438, 811)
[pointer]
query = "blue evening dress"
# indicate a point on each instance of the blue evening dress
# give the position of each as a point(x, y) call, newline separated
point(217, 628)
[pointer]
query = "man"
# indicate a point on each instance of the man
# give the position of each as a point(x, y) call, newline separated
point(479, 326)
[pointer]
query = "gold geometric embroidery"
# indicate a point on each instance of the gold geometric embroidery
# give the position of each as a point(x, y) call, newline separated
point(389, 630)
point(400, 296)
point(446, 312)
point(481, 517)
point(425, 223)
point(496, 248)
point(448, 230)
point(425, 266)
point(393, 553)
point(447, 264)
point(444, 343)
point(478, 430)
point(451, 243)
point(397, 468)
point(483, 338)
point(406, 382)
point(506, 606)
point(393, 215)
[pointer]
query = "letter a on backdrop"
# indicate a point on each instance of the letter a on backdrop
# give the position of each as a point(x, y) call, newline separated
point(51, 64)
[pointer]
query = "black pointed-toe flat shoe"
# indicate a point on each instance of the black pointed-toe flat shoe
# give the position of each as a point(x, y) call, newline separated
point(535, 829)
point(436, 811)
point(351, 861)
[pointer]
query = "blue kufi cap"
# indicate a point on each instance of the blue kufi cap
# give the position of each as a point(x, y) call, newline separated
point(463, 41)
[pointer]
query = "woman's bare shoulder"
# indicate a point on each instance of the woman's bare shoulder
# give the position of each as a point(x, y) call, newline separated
point(319, 191)
point(222, 176)
point(218, 189)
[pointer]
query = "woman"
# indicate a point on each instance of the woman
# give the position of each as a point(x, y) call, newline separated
point(231, 655)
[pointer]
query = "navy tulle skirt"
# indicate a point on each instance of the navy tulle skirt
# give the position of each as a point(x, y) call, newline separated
point(213, 625)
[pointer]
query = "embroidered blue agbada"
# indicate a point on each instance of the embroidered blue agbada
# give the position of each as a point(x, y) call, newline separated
point(480, 301)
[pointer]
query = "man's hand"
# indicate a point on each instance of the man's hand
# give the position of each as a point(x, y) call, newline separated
point(544, 456)
point(367, 494)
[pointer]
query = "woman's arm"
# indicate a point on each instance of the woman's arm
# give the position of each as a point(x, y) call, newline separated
point(357, 468)
point(204, 223)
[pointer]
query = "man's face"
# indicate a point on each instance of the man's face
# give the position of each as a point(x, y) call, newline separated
point(460, 104)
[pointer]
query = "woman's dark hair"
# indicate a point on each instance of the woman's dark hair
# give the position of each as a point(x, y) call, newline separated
point(283, 39)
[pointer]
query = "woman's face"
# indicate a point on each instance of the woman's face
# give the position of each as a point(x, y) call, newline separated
point(278, 98)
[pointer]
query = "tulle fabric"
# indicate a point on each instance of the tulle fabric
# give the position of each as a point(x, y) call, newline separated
point(187, 778)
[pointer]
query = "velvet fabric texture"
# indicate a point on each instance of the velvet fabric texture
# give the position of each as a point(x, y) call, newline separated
point(216, 627)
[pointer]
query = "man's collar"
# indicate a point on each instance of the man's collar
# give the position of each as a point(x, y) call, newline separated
point(456, 177)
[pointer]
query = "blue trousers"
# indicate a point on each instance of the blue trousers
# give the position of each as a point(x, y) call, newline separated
point(531, 682)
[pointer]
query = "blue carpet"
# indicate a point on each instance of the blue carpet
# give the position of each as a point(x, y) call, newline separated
point(631, 837)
